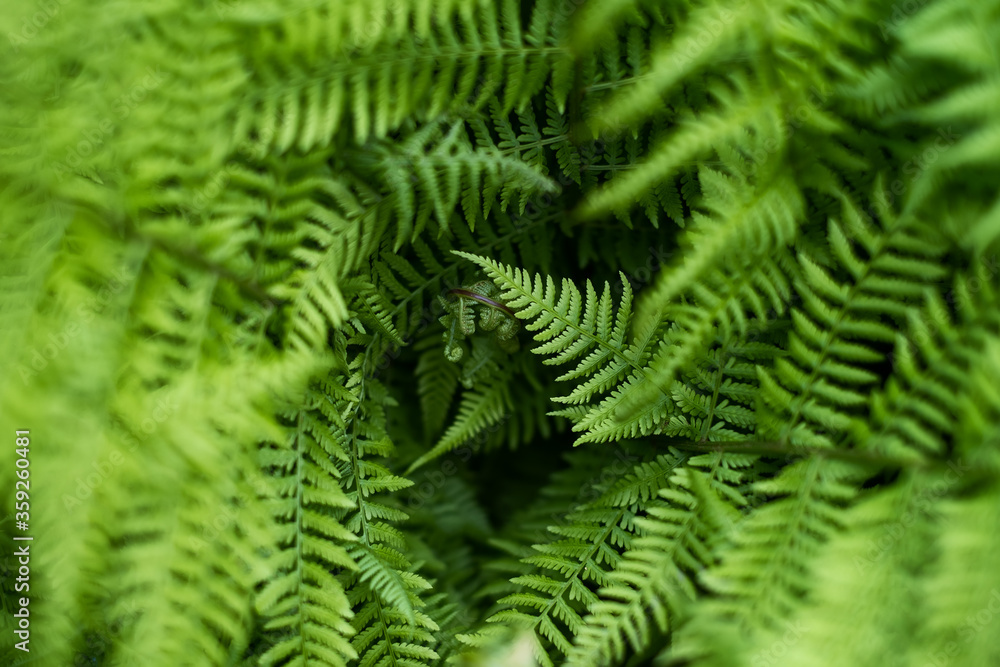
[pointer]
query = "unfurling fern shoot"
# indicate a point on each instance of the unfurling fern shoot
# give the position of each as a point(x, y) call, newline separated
point(461, 305)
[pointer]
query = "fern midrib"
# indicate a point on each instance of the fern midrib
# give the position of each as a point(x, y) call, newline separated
point(519, 148)
point(342, 69)
point(594, 547)
point(300, 511)
point(355, 462)
point(831, 338)
point(711, 406)
point(570, 324)
point(633, 80)
point(676, 542)
point(193, 257)
point(788, 536)
point(612, 167)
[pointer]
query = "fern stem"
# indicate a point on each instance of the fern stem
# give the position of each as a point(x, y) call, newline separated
point(779, 448)
point(468, 294)
point(711, 407)
point(594, 548)
point(198, 259)
point(347, 67)
point(299, 511)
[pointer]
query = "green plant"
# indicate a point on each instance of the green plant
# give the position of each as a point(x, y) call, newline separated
point(345, 333)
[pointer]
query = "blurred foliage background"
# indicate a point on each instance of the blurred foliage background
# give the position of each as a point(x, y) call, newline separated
point(729, 395)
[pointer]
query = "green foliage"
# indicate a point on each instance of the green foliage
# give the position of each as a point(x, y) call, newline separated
point(305, 597)
point(481, 332)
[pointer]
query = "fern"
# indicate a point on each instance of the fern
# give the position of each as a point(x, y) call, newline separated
point(300, 301)
point(917, 413)
point(306, 598)
point(840, 326)
point(876, 551)
point(570, 328)
point(758, 581)
point(557, 591)
point(655, 577)
point(384, 590)
point(393, 63)
point(449, 173)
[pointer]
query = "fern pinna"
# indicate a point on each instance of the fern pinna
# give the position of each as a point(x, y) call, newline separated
point(489, 332)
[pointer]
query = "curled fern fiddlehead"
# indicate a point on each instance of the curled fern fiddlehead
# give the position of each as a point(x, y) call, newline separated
point(460, 321)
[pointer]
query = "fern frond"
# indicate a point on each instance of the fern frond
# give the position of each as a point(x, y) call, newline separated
point(416, 278)
point(557, 592)
point(226, 256)
point(693, 138)
point(886, 547)
point(962, 133)
point(218, 526)
point(837, 332)
point(673, 61)
point(374, 310)
point(722, 304)
point(656, 576)
point(447, 170)
point(437, 381)
point(307, 609)
point(918, 412)
point(716, 400)
point(964, 584)
point(478, 410)
point(764, 572)
point(961, 585)
point(384, 591)
point(373, 68)
point(571, 328)
point(301, 231)
point(756, 221)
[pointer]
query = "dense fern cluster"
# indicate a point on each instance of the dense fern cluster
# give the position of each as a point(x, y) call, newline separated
point(488, 332)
